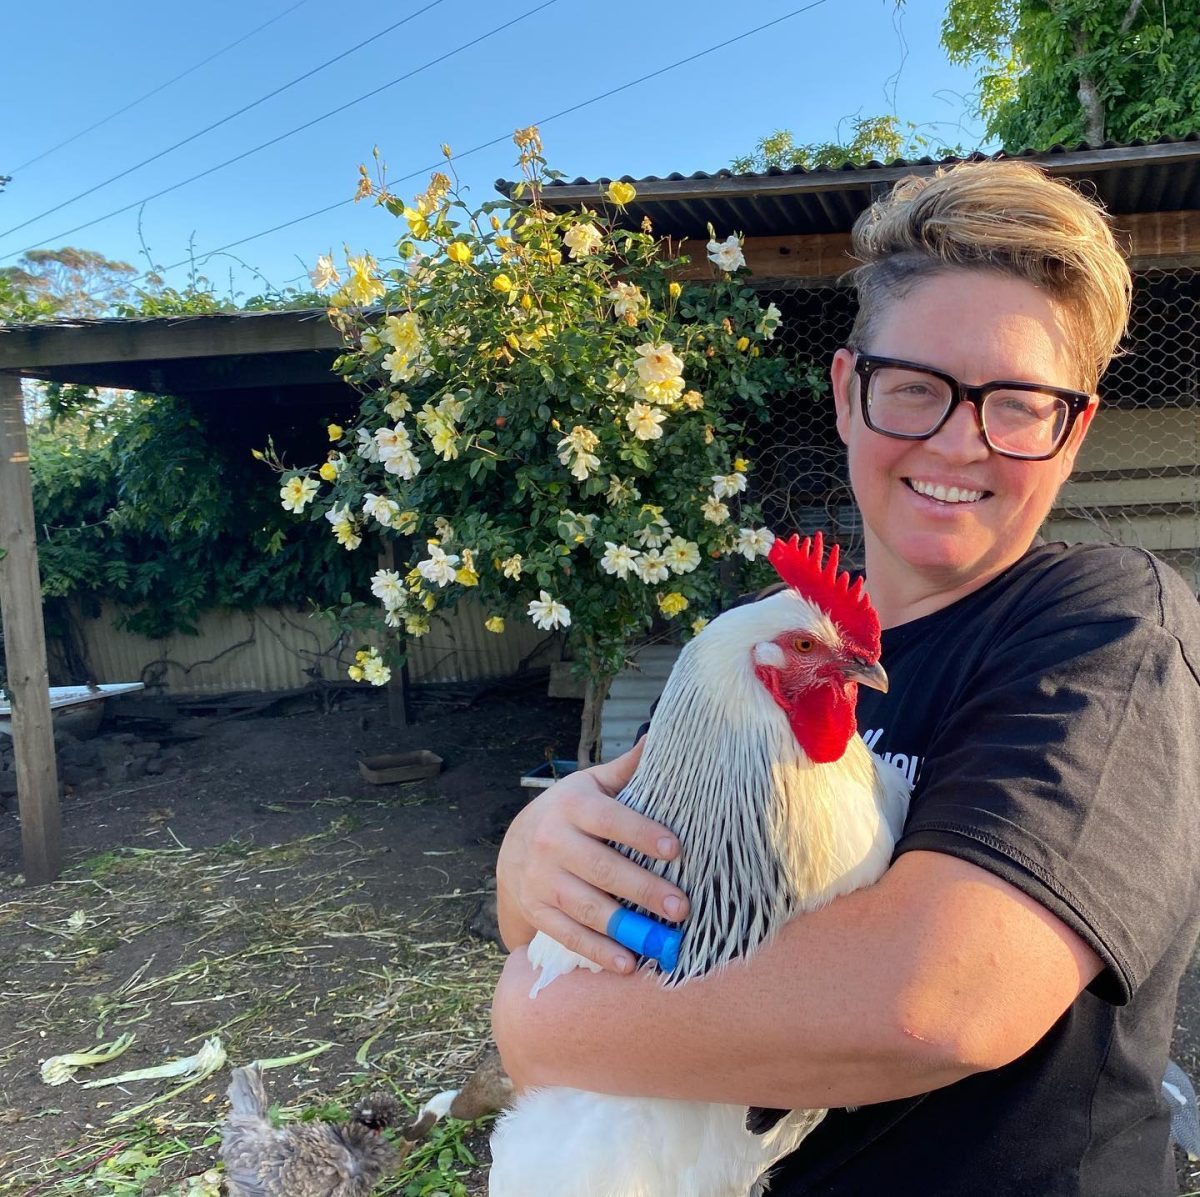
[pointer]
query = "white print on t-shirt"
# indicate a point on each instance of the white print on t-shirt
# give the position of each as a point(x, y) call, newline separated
point(910, 766)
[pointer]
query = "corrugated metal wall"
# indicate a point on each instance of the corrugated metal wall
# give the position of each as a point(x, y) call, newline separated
point(269, 649)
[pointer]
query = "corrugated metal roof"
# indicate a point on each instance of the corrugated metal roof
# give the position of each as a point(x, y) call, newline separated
point(1160, 176)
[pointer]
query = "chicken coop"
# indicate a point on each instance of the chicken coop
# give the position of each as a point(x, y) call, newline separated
point(1137, 480)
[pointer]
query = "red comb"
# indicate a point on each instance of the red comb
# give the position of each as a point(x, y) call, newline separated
point(798, 563)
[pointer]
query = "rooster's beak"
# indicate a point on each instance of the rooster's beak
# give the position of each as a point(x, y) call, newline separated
point(856, 669)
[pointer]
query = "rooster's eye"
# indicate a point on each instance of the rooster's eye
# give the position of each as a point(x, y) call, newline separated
point(803, 645)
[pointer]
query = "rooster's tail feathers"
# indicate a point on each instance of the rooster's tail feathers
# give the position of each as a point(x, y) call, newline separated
point(247, 1095)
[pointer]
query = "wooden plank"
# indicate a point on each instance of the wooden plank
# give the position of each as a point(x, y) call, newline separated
point(1149, 235)
point(397, 687)
point(816, 256)
point(26, 347)
point(25, 648)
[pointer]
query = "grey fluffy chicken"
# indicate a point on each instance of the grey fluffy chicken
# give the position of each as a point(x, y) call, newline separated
point(305, 1159)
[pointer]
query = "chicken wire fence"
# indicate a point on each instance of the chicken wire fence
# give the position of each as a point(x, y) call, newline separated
point(1136, 481)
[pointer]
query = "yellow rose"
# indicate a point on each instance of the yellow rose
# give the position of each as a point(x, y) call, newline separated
point(743, 343)
point(740, 465)
point(502, 283)
point(328, 471)
point(755, 351)
point(622, 193)
point(495, 624)
point(458, 251)
point(675, 290)
point(356, 673)
point(335, 432)
point(672, 604)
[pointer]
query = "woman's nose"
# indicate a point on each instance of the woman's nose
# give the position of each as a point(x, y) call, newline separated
point(961, 436)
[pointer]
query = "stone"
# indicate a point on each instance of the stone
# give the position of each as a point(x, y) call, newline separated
point(85, 753)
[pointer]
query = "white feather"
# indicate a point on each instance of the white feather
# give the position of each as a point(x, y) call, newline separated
point(758, 820)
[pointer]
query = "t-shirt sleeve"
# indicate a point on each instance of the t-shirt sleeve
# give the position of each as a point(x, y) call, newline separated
point(1070, 767)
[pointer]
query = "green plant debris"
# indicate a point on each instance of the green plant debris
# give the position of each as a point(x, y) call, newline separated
point(279, 952)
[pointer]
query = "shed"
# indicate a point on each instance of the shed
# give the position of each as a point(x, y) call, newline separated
point(272, 370)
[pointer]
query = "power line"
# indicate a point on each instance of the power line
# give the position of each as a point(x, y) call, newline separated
point(287, 224)
point(217, 124)
point(291, 132)
point(161, 87)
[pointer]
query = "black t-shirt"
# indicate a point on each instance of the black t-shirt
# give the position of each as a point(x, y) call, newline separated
point(1051, 721)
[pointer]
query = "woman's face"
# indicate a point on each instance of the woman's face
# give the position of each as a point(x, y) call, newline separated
point(979, 327)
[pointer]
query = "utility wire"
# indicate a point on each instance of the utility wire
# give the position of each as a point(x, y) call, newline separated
point(160, 87)
point(497, 140)
point(217, 124)
point(291, 132)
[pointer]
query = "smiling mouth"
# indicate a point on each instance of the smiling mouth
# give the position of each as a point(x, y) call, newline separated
point(946, 494)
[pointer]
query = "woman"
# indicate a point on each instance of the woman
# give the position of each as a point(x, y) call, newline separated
point(998, 1008)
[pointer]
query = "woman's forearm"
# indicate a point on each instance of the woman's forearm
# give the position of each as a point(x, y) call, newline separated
point(778, 1032)
point(938, 971)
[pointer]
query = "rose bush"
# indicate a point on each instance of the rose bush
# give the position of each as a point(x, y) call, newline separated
point(548, 419)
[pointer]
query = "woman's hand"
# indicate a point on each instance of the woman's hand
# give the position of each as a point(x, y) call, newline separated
point(557, 872)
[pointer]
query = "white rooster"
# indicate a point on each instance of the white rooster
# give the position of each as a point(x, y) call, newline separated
point(753, 760)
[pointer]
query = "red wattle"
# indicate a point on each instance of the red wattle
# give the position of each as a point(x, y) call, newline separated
point(822, 721)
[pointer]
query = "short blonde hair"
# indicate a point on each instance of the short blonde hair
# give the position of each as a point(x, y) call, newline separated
point(1011, 217)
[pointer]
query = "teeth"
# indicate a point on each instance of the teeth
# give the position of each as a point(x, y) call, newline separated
point(953, 495)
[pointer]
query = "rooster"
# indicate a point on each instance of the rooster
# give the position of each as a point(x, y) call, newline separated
point(753, 760)
point(305, 1159)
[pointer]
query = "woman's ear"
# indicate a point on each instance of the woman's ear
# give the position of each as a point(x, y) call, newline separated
point(845, 386)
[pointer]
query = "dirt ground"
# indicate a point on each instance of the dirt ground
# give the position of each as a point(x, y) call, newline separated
point(264, 894)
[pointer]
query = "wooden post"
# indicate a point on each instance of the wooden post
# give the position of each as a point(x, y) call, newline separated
point(25, 647)
point(397, 687)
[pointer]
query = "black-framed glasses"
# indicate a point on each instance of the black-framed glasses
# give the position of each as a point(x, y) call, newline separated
point(912, 402)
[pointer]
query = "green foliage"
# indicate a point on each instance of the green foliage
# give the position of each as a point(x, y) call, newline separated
point(18, 305)
point(140, 501)
point(1140, 62)
point(72, 282)
point(872, 138)
point(541, 402)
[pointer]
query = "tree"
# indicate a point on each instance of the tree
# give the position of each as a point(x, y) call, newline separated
point(72, 282)
point(549, 424)
point(1068, 70)
point(873, 138)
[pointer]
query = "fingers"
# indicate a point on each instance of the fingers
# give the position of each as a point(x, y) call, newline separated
point(586, 942)
point(605, 869)
point(588, 804)
point(558, 872)
point(613, 776)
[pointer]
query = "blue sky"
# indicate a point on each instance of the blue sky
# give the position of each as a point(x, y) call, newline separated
point(66, 71)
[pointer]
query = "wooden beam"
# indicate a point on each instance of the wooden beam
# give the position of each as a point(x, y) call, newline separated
point(27, 347)
point(1149, 235)
point(816, 256)
point(397, 687)
point(826, 256)
point(25, 648)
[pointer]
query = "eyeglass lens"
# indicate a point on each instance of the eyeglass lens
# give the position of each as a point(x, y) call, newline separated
point(912, 403)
